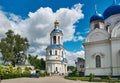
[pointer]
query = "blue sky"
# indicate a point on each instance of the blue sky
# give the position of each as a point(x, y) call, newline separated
point(16, 12)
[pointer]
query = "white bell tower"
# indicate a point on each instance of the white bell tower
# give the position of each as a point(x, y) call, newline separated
point(56, 63)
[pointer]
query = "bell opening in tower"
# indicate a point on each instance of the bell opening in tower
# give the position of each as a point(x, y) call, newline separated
point(54, 39)
point(56, 69)
point(59, 39)
point(96, 26)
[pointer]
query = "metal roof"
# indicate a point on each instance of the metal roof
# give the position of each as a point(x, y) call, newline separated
point(112, 10)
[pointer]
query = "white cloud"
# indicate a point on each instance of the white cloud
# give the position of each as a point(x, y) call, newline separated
point(78, 38)
point(39, 24)
point(78, 33)
point(72, 56)
point(15, 18)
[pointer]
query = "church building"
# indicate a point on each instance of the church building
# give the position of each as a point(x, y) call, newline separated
point(56, 62)
point(102, 44)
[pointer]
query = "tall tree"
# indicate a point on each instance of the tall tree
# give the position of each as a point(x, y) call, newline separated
point(37, 63)
point(13, 48)
point(71, 68)
point(42, 66)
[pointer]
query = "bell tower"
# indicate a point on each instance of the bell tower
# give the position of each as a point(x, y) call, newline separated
point(56, 35)
point(56, 62)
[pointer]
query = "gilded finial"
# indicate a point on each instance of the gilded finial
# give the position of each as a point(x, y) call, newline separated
point(56, 23)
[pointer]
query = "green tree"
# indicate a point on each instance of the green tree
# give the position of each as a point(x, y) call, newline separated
point(71, 68)
point(75, 72)
point(13, 48)
point(42, 64)
point(37, 63)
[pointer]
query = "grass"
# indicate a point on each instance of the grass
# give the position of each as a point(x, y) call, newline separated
point(95, 79)
point(77, 78)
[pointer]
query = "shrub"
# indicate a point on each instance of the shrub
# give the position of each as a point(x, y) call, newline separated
point(19, 71)
point(75, 72)
point(26, 72)
point(91, 77)
point(109, 78)
point(42, 74)
point(7, 72)
point(46, 73)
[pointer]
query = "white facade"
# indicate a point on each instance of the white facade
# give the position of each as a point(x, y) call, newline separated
point(102, 45)
point(56, 63)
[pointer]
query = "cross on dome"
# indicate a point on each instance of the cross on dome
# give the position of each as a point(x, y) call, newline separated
point(114, 2)
point(56, 23)
point(95, 7)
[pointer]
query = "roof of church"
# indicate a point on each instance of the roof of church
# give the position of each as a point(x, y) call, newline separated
point(96, 16)
point(57, 30)
point(112, 10)
point(55, 46)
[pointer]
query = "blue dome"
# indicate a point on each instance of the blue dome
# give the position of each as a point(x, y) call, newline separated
point(55, 46)
point(112, 10)
point(57, 30)
point(64, 60)
point(96, 16)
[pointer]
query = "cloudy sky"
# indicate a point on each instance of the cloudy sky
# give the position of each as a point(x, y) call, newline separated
point(34, 19)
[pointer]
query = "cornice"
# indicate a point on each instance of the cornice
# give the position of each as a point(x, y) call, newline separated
point(96, 42)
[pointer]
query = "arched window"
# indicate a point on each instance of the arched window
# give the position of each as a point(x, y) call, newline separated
point(62, 53)
point(56, 69)
point(108, 28)
point(54, 39)
point(50, 52)
point(96, 26)
point(98, 61)
point(59, 39)
point(56, 52)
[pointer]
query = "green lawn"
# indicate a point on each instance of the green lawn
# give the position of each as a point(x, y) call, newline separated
point(95, 79)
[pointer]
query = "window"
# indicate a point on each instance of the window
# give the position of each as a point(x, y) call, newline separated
point(56, 69)
point(98, 61)
point(59, 39)
point(62, 53)
point(54, 39)
point(108, 28)
point(50, 52)
point(81, 66)
point(56, 52)
point(96, 26)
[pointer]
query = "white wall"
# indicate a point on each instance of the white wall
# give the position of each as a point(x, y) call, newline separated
point(116, 56)
point(90, 50)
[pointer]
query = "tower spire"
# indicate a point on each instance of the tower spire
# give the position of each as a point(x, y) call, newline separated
point(114, 2)
point(95, 7)
point(56, 24)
